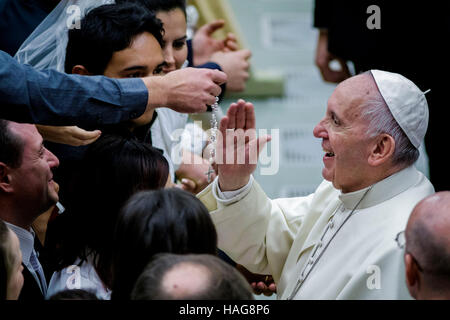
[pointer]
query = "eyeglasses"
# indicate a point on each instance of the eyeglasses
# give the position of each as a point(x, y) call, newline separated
point(401, 242)
point(401, 239)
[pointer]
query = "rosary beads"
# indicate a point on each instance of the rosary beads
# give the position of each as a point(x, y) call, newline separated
point(213, 138)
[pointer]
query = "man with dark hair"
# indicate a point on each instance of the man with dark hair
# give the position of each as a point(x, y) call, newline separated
point(26, 190)
point(10, 146)
point(190, 277)
point(427, 251)
point(117, 41)
point(108, 33)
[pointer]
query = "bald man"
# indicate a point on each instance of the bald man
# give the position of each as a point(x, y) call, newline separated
point(427, 252)
point(190, 277)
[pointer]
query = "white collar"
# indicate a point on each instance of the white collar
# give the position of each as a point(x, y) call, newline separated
point(382, 190)
point(26, 239)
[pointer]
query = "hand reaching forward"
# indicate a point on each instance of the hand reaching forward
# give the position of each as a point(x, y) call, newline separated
point(204, 45)
point(238, 147)
point(188, 90)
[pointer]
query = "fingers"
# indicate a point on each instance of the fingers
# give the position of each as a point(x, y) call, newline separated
point(82, 134)
point(330, 75)
point(261, 287)
point(262, 141)
point(240, 115)
point(250, 121)
point(246, 54)
point(223, 125)
point(230, 43)
point(188, 185)
point(215, 91)
point(231, 37)
point(212, 27)
point(218, 77)
point(231, 114)
point(273, 287)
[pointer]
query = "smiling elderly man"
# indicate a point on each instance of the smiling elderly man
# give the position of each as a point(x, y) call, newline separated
point(27, 190)
point(339, 242)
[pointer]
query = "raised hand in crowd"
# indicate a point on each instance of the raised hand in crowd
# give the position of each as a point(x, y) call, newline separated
point(324, 58)
point(204, 45)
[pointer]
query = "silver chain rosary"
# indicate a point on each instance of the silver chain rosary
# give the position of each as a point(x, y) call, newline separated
point(213, 138)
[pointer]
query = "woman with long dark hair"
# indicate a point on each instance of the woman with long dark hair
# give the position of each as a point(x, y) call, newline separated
point(114, 168)
point(169, 220)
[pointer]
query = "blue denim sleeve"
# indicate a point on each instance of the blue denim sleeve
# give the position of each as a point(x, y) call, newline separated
point(53, 98)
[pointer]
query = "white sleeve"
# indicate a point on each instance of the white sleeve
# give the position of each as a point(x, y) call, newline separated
point(228, 197)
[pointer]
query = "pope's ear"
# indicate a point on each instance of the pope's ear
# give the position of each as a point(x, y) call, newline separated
point(5, 178)
point(382, 149)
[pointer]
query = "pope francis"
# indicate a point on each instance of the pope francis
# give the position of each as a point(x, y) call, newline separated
point(339, 242)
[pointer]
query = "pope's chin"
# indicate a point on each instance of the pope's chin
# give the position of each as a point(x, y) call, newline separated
point(328, 169)
point(328, 174)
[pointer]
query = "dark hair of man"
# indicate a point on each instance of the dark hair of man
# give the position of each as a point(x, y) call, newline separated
point(168, 220)
point(113, 169)
point(74, 294)
point(160, 5)
point(4, 243)
point(105, 30)
point(11, 146)
point(223, 281)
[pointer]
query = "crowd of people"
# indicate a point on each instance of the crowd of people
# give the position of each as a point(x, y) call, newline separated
point(99, 201)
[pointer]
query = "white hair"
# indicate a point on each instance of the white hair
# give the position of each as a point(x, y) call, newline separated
point(380, 120)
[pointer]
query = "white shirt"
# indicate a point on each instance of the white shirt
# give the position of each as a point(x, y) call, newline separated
point(26, 239)
point(78, 276)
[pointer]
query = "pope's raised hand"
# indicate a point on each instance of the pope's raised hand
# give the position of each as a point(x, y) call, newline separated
point(238, 146)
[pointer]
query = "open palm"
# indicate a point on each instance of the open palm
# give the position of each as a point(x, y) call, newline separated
point(238, 146)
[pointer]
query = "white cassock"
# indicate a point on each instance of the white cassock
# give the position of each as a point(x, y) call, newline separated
point(328, 245)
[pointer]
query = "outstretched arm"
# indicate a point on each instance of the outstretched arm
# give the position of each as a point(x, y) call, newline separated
point(54, 98)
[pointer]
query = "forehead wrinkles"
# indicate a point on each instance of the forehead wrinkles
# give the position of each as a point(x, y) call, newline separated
point(358, 93)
